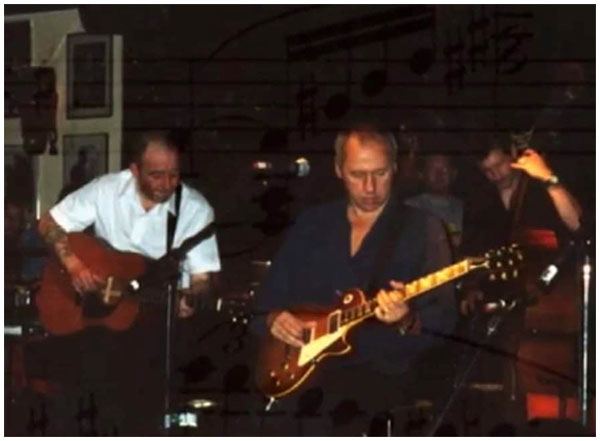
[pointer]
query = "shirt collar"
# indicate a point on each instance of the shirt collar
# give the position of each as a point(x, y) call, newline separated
point(128, 190)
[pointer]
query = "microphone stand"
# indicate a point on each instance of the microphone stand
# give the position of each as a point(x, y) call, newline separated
point(491, 328)
point(581, 245)
point(171, 289)
point(586, 270)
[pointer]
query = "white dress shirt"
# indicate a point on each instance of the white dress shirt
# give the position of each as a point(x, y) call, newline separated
point(112, 205)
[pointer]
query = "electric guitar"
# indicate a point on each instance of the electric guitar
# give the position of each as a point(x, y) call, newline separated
point(131, 279)
point(282, 368)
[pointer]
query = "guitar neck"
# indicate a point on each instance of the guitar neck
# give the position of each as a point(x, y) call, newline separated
point(355, 314)
point(437, 278)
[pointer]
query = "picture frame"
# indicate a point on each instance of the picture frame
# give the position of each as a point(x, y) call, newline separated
point(85, 157)
point(89, 76)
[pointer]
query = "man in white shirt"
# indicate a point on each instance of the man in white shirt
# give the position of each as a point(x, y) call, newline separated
point(129, 210)
point(123, 372)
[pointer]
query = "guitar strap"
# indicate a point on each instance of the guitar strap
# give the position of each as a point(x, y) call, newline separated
point(172, 219)
point(396, 220)
point(516, 207)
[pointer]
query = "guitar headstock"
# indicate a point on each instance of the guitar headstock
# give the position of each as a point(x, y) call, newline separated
point(502, 263)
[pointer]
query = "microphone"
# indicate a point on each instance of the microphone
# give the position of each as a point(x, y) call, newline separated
point(299, 168)
point(551, 271)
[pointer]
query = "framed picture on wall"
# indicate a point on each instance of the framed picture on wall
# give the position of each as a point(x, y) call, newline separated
point(89, 76)
point(85, 157)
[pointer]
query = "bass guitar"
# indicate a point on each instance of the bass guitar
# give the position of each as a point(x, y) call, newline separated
point(131, 279)
point(282, 368)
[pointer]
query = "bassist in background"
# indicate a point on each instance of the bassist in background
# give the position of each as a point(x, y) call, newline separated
point(333, 248)
point(129, 210)
point(522, 201)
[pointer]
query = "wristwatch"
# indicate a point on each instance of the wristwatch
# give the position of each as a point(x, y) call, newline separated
point(552, 180)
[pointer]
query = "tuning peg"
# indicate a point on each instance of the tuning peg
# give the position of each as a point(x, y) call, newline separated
point(498, 253)
point(492, 277)
point(504, 276)
point(515, 273)
point(510, 262)
point(498, 264)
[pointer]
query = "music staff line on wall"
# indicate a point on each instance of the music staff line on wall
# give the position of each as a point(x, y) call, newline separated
point(284, 83)
point(335, 129)
point(263, 106)
point(357, 59)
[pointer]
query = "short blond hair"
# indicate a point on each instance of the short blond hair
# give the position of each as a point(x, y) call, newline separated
point(365, 133)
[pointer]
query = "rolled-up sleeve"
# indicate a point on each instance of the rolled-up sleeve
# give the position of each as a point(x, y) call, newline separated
point(78, 210)
point(204, 257)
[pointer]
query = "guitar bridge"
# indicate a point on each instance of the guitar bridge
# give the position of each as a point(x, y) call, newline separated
point(110, 296)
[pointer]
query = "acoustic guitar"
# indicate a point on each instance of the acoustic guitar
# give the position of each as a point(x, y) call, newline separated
point(282, 368)
point(131, 279)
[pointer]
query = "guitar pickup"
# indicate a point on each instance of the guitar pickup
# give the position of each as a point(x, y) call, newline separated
point(306, 334)
point(333, 321)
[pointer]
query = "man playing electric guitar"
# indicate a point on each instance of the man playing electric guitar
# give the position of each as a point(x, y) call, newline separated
point(338, 246)
point(130, 211)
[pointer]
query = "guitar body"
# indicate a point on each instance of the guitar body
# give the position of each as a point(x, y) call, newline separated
point(282, 368)
point(60, 307)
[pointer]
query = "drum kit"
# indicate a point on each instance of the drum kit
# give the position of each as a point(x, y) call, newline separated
point(20, 315)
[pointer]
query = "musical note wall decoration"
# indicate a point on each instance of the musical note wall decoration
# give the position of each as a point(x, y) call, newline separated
point(455, 66)
point(508, 38)
point(509, 41)
point(375, 81)
point(479, 38)
point(307, 112)
point(360, 31)
point(339, 104)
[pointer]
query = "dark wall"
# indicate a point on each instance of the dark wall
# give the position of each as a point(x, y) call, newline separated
point(276, 82)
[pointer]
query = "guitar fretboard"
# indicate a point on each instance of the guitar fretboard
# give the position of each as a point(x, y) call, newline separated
point(411, 290)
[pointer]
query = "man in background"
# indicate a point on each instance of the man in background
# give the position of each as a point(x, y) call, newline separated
point(438, 175)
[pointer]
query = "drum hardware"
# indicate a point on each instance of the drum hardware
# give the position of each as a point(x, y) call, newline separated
point(25, 330)
point(189, 415)
point(202, 403)
point(181, 419)
point(486, 387)
point(22, 296)
point(20, 315)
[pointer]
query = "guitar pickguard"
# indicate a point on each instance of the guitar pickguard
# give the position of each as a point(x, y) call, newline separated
point(311, 350)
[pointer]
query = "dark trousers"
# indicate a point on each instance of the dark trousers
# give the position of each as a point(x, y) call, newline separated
point(108, 383)
point(353, 401)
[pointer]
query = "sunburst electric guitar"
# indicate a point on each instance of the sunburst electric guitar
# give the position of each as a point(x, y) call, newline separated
point(282, 368)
